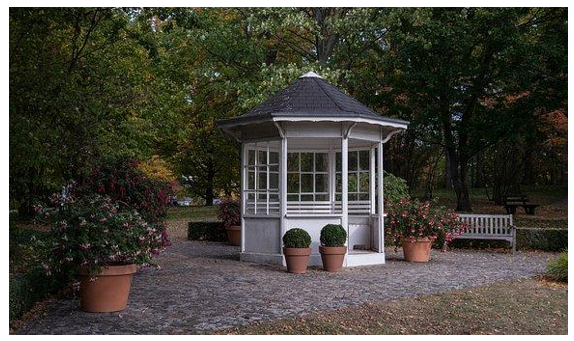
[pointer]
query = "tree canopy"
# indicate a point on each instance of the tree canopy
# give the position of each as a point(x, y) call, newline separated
point(485, 89)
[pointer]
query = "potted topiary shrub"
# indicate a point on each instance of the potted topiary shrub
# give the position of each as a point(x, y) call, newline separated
point(230, 215)
point(333, 249)
point(296, 248)
point(415, 226)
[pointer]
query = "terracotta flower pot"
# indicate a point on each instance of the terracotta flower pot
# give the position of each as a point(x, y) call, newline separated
point(297, 259)
point(332, 257)
point(234, 235)
point(417, 250)
point(108, 291)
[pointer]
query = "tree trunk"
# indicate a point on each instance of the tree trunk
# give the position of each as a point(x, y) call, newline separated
point(447, 172)
point(209, 187)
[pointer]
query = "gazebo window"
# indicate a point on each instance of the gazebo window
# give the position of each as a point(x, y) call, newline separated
point(262, 178)
point(358, 181)
point(308, 182)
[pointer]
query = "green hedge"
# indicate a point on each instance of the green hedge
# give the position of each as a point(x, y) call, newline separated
point(206, 230)
point(542, 239)
point(31, 287)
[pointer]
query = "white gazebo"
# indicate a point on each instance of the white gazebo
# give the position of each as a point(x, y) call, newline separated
point(312, 156)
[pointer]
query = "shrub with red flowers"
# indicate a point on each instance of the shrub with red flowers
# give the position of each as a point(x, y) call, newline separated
point(92, 232)
point(128, 187)
point(413, 219)
point(230, 212)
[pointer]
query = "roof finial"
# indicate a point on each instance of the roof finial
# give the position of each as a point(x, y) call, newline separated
point(310, 74)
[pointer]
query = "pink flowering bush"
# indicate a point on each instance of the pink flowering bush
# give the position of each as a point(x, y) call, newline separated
point(230, 213)
point(411, 219)
point(92, 232)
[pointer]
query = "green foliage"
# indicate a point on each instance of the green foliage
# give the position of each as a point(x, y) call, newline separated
point(542, 239)
point(333, 235)
point(29, 288)
point(206, 230)
point(557, 269)
point(296, 238)
point(395, 188)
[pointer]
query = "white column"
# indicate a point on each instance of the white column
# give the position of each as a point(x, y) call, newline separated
point(345, 181)
point(372, 176)
point(283, 187)
point(244, 194)
point(381, 199)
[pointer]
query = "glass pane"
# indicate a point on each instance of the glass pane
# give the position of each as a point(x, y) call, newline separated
point(293, 162)
point(251, 180)
point(321, 162)
point(273, 180)
point(338, 162)
point(251, 197)
point(353, 182)
point(321, 197)
point(273, 197)
point(262, 198)
point(353, 197)
point(321, 182)
point(274, 168)
point(262, 179)
point(364, 160)
point(353, 162)
point(306, 162)
point(262, 157)
point(251, 158)
point(338, 197)
point(306, 183)
point(273, 157)
point(364, 182)
point(293, 197)
point(364, 196)
point(292, 182)
point(306, 197)
point(338, 183)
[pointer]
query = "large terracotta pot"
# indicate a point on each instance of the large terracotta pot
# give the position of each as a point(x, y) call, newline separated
point(107, 291)
point(333, 257)
point(297, 259)
point(417, 250)
point(234, 235)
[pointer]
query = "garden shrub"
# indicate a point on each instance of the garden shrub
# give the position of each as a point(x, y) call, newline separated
point(127, 185)
point(28, 288)
point(557, 269)
point(230, 212)
point(206, 230)
point(395, 188)
point(333, 235)
point(296, 238)
point(542, 239)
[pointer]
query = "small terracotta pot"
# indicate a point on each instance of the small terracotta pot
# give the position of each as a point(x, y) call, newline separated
point(297, 259)
point(417, 250)
point(234, 235)
point(108, 291)
point(333, 257)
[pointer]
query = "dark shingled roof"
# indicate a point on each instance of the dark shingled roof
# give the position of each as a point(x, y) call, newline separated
point(309, 96)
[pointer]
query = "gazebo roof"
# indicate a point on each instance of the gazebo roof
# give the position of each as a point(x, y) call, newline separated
point(312, 99)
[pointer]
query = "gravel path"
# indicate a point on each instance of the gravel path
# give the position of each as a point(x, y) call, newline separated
point(203, 287)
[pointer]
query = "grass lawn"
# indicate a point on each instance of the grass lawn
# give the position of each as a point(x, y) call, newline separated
point(178, 217)
point(527, 306)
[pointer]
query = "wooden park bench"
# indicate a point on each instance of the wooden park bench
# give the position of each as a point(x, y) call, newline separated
point(513, 201)
point(489, 227)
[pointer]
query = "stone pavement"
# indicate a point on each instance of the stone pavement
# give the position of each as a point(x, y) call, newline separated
point(202, 287)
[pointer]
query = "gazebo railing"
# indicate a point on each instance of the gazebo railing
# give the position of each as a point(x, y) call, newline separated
point(327, 207)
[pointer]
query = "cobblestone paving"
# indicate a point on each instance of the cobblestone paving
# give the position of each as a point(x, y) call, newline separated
point(203, 287)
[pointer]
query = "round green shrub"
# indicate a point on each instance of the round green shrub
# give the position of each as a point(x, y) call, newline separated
point(557, 269)
point(333, 235)
point(296, 238)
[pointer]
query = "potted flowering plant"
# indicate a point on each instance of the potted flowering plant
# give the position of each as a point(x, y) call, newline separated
point(415, 226)
point(101, 244)
point(333, 249)
point(229, 213)
point(297, 249)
